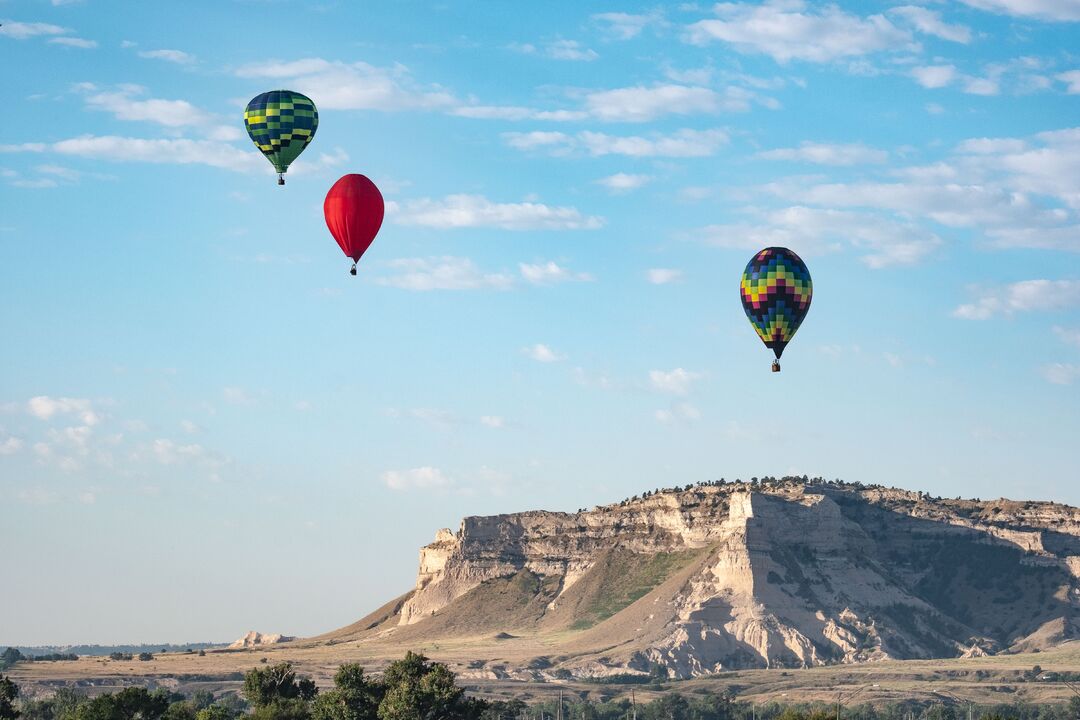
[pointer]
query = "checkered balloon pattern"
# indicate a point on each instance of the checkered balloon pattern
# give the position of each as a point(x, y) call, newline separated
point(281, 123)
point(776, 290)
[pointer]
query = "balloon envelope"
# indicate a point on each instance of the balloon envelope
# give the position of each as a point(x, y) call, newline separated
point(281, 123)
point(776, 291)
point(354, 213)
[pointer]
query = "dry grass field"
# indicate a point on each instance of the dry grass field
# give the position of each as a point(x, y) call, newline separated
point(987, 680)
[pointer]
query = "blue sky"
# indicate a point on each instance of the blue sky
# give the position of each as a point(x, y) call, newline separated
point(207, 426)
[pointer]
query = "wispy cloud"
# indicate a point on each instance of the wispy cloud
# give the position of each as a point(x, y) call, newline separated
point(178, 57)
point(473, 211)
point(1023, 296)
point(929, 22)
point(126, 103)
point(663, 276)
point(883, 242)
point(542, 353)
point(828, 154)
point(624, 182)
point(675, 382)
point(550, 273)
point(167, 151)
point(74, 42)
point(682, 143)
point(442, 273)
point(627, 26)
point(641, 104)
point(25, 30)
point(335, 85)
point(1061, 373)
point(788, 30)
point(1053, 10)
point(420, 478)
point(682, 412)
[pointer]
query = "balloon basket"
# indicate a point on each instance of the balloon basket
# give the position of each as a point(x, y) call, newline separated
point(352, 270)
point(280, 179)
point(776, 366)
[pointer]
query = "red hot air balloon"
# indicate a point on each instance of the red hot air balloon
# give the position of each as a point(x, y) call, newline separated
point(354, 214)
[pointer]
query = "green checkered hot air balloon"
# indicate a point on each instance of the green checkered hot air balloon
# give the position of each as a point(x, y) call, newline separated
point(281, 123)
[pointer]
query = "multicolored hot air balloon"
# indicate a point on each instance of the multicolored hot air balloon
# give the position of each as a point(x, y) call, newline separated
point(776, 290)
point(354, 214)
point(281, 123)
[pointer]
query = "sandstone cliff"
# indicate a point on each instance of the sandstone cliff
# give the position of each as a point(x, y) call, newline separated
point(787, 574)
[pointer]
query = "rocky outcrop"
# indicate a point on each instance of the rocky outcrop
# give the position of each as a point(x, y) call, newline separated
point(784, 574)
point(258, 639)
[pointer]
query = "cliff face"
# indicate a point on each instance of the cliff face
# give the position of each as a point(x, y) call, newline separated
point(790, 575)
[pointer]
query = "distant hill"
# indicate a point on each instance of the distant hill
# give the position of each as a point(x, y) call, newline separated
point(692, 581)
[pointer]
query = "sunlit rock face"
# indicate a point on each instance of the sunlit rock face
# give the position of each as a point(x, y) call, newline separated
point(781, 574)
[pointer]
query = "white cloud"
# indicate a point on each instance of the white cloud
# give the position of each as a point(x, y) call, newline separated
point(550, 273)
point(337, 85)
point(828, 154)
point(442, 273)
point(492, 421)
point(517, 112)
point(624, 182)
point(570, 50)
point(626, 26)
point(542, 353)
point(934, 76)
point(785, 30)
point(471, 211)
point(883, 242)
point(179, 151)
point(23, 30)
point(682, 143)
point(174, 56)
point(640, 104)
point(679, 412)
point(537, 139)
point(75, 42)
point(1072, 79)
point(167, 452)
point(45, 407)
point(893, 359)
point(237, 396)
point(1068, 335)
point(126, 104)
point(421, 478)
point(929, 22)
point(189, 427)
point(676, 382)
point(663, 276)
point(1023, 296)
point(1061, 373)
point(1054, 10)
point(10, 445)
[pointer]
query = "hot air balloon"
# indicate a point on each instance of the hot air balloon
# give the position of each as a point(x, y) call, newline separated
point(281, 123)
point(776, 290)
point(354, 214)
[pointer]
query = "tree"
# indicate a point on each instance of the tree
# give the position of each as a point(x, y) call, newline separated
point(9, 657)
point(8, 692)
point(290, 709)
point(354, 697)
point(215, 712)
point(266, 686)
point(133, 703)
point(417, 689)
